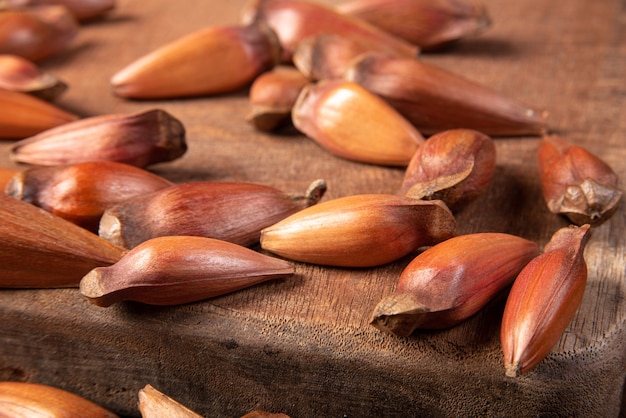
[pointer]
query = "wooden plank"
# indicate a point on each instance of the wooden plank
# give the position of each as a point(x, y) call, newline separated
point(302, 345)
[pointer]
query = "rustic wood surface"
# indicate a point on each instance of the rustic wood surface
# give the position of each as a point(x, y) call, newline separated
point(303, 345)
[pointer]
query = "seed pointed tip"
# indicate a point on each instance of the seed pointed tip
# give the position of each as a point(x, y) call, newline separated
point(316, 191)
point(120, 86)
point(91, 287)
point(119, 91)
point(153, 403)
point(399, 314)
point(393, 324)
point(111, 228)
point(513, 369)
point(127, 82)
point(118, 78)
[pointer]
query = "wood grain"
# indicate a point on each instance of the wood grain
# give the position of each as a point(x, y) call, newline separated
point(303, 345)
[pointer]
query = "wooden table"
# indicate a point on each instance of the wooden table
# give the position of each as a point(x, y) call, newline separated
point(303, 345)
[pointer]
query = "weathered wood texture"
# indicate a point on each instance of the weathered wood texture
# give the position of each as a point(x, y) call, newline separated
point(303, 345)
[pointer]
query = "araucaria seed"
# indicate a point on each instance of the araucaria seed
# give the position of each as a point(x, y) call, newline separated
point(22, 399)
point(214, 60)
point(577, 183)
point(434, 99)
point(22, 115)
point(180, 269)
point(451, 281)
point(296, 20)
point(428, 24)
point(19, 74)
point(39, 250)
point(138, 139)
point(352, 123)
point(155, 404)
point(543, 300)
point(360, 231)
point(82, 10)
point(228, 211)
point(455, 166)
point(81, 192)
point(272, 96)
point(37, 33)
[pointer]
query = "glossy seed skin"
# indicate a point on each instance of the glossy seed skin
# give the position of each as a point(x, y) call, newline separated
point(455, 166)
point(214, 60)
point(82, 10)
point(32, 400)
point(429, 24)
point(80, 193)
point(272, 96)
point(180, 269)
point(434, 99)
point(576, 183)
point(451, 281)
point(360, 230)
point(230, 211)
point(22, 115)
point(22, 75)
point(543, 300)
point(140, 139)
point(41, 250)
point(295, 20)
point(352, 123)
point(37, 33)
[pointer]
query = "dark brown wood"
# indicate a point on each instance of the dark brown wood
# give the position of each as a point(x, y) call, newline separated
point(303, 345)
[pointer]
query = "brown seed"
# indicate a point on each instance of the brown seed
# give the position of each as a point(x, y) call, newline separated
point(37, 33)
point(155, 404)
point(360, 230)
point(576, 183)
point(22, 115)
point(352, 123)
point(29, 400)
point(138, 139)
point(429, 24)
point(39, 250)
point(22, 75)
point(455, 166)
point(233, 212)
point(82, 10)
point(436, 100)
point(81, 192)
point(272, 96)
point(214, 60)
point(180, 269)
point(326, 55)
point(451, 281)
point(295, 20)
point(543, 300)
